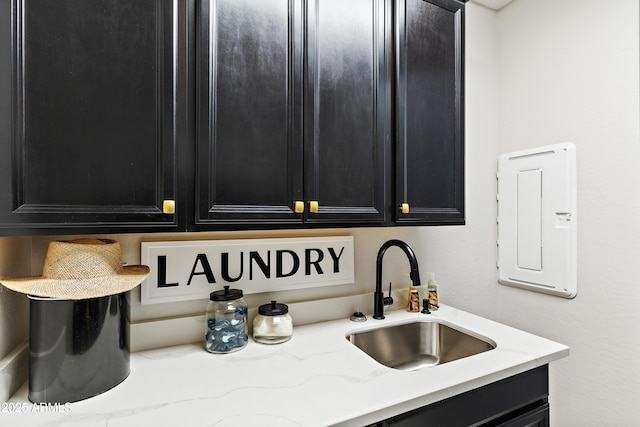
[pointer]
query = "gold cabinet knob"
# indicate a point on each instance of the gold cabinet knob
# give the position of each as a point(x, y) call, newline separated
point(169, 206)
point(298, 206)
point(313, 206)
point(404, 208)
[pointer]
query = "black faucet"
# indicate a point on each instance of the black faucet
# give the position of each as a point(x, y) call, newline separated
point(379, 301)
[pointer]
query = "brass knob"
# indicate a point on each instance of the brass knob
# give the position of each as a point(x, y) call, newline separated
point(313, 206)
point(404, 208)
point(169, 206)
point(298, 206)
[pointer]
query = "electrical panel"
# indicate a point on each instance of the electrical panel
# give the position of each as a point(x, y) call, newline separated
point(537, 219)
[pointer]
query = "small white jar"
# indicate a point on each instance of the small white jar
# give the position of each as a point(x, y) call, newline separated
point(272, 324)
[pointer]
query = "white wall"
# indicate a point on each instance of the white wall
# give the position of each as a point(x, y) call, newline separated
point(540, 72)
point(15, 261)
point(568, 71)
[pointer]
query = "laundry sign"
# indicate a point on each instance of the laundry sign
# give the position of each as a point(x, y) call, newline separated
point(187, 270)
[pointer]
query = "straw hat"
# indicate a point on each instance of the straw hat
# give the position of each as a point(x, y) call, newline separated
point(81, 269)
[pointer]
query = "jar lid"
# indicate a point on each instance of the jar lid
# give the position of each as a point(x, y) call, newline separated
point(273, 309)
point(226, 294)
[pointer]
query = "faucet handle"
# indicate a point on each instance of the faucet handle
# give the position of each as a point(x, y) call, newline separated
point(388, 300)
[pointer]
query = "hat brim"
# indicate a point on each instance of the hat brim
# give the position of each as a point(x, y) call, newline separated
point(126, 279)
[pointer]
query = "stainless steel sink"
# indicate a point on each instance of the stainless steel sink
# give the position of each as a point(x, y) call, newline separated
point(418, 344)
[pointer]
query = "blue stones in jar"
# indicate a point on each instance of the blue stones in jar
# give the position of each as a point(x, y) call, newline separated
point(226, 340)
point(242, 339)
point(220, 325)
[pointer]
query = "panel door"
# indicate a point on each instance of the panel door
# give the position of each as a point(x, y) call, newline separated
point(249, 142)
point(429, 112)
point(346, 110)
point(89, 114)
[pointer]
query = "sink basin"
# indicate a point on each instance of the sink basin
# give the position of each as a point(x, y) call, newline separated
point(419, 344)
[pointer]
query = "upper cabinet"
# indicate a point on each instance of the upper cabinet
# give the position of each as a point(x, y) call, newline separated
point(91, 94)
point(292, 112)
point(249, 121)
point(346, 111)
point(429, 111)
point(174, 115)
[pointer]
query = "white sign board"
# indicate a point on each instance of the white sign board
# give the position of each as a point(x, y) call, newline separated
point(187, 270)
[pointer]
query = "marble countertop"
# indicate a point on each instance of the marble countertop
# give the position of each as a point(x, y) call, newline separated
point(317, 378)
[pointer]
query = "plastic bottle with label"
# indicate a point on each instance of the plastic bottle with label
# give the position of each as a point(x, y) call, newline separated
point(433, 292)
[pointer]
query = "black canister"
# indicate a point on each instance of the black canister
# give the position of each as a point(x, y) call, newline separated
point(78, 348)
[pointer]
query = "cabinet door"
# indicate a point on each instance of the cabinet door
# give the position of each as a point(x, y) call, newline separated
point(429, 111)
point(346, 116)
point(249, 143)
point(517, 401)
point(89, 118)
point(535, 417)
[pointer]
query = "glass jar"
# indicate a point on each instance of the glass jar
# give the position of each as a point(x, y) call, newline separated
point(272, 324)
point(226, 321)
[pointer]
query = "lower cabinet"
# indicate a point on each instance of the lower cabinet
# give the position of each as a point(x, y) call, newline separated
point(518, 401)
point(536, 417)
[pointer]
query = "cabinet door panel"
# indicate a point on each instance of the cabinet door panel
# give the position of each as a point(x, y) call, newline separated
point(430, 167)
point(517, 401)
point(93, 136)
point(249, 153)
point(346, 120)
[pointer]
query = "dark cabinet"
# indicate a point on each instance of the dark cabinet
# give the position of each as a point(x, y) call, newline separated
point(234, 114)
point(517, 401)
point(249, 130)
point(292, 119)
point(346, 116)
point(330, 112)
point(91, 113)
point(429, 39)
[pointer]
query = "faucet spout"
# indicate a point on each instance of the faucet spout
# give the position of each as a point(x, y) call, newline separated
point(378, 299)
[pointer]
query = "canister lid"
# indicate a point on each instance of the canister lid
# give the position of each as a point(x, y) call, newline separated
point(226, 294)
point(273, 309)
